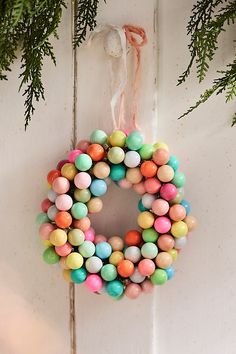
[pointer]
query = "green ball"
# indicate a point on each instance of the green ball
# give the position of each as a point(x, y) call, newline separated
point(78, 276)
point(179, 179)
point(134, 141)
point(109, 272)
point(150, 235)
point(87, 249)
point(42, 218)
point(117, 138)
point(146, 151)
point(82, 195)
point(149, 250)
point(50, 256)
point(159, 277)
point(79, 210)
point(117, 172)
point(99, 137)
point(115, 288)
point(83, 162)
point(116, 155)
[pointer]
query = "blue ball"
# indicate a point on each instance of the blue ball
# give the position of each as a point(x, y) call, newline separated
point(140, 206)
point(173, 162)
point(78, 276)
point(117, 172)
point(98, 187)
point(170, 272)
point(186, 204)
point(103, 250)
point(115, 288)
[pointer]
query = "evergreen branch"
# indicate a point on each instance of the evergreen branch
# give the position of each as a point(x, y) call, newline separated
point(233, 120)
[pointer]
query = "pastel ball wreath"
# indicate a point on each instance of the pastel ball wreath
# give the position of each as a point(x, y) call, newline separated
point(143, 257)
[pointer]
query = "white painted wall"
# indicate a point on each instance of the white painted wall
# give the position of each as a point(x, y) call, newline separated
point(193, 313)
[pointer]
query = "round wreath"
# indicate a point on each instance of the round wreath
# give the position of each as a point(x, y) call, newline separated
point(144, 256)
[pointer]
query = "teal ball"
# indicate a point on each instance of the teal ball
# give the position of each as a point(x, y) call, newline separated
point(117, 172)
point(173, 162)
point(179, 179)
point(78, 276)
point(115, 288)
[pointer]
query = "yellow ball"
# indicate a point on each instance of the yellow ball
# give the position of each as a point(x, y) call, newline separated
point(173, 253)
point(58, 237)
point(117, 138)
point(66, 275)
point(146, 219)
point(101, 170)
point(46, 243)
point(69, 171)
point(94, 205)
point(116, 257)
point(134, 175)
point(74, 260)
point(161, 145)
point(179, 229)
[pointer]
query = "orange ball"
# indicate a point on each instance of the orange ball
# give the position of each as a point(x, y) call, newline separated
point(125, 268)
point(96, 152)
point(133, 238)
point(63, 219)
point(53, 175)
point(148, 169)
point(82, 224)
point(177, 212)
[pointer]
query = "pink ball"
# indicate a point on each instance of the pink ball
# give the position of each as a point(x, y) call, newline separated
point(61, 185)
point(45, 230)
point(83, 145)
point(162, 224)
point(82, 180)
point(168, 191)
point(152, 185)
point(124, 184)
point(100, 238)
point(177, 212)
point(45, 205)
point(139, 188)
point(94, 282)
point(147, 286)
point(64, 202)
point(160, 207)
point(61, 164)
point(73, 154)
point(146, 267)
point(133, 291)
point(63, 250)
point(82, 224)
point(89, 234)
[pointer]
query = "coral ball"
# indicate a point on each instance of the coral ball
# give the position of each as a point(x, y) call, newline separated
point(146, 267)
point(166, 242)
point(133, 291)
point(148, 169)
point(125, 268)
point(61, 185)
point(63, 219)
point(152, 185)
point(177, 212)
point(96, 152)
point(160, 157)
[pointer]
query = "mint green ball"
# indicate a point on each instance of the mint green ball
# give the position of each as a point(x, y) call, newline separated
point(116, 155)
point(83, 162)
point(79, 210)
point(42, 218)
point(117, 172)
point(78, 276)
point(150, 235)
point(99, 137)
point(115, 288)
point(146, 151)
point(109, 272)
point(159, 277)
point(87, 249)
point(149, 250)
point(179, 179)
point(50, 256)
point(134, 141)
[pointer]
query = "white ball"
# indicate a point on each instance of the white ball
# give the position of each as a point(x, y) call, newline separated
point(52, 195)
point(133, 254)
point(112, 44)
point(136, 277)
point(180, 242)
point(132, 159)
point(93, 264)
point(52, 212)
point(147, 200)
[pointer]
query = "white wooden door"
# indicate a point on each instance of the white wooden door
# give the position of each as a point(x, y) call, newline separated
point(195, 311)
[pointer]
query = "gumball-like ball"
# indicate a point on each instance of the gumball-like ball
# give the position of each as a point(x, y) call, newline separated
point(125, 268)
point(152, 185)
point(159, 277)
point(117, 138)
point(177, 212)
point(134, 141)
point(179, 179)
point(146, 220)
point(146, 151)
point(164, 260)
point(141, 207)
point(100, 238)
point(64, 202)
point(132, 159)
point(146, 267)
point(99, 137)
point(45, 205)
point(101, 170)
point(179, 229)
point(133, 254)
point(180, 242)
point(109, 272)
point(42, 218)
point(52, 212)
point(173, 162)
point(82, 180)
point(191, 222)
point(50, 256)
point(161, 145)
point(94, 205)
point(94, 282)
point(61, 163)
point(82, 195)
point(69, 171)
point(115, 288)
point(139, 188)
point(116, 257)
point(52, 175)
point(147, 286)
point(173, 253)
point(82, 224)
point(98, 187)
point(93, 264)
point(133, 291)
point(96, 152)
point(79, 210)
point(148, 169)
point(78, 276)
point(178, 198)
point(63, 263)
point(165, 173)
point(147, 200)
point(124, 184)
point(87, 249)
point(186, 204)
point(134, 175)
point(103, 250)
point(63, 250)
point(89, 234)
point(116, 155)
point(45, 230)
point(136, 277)
point(52, 195)
point(73, 154)
point(166, 242)
point(63, 219)
point(170, 272)
point(149, 250)
point(117, 172)
point(133, 238)
point(61, 185)
point(116, 242)
point(160, 207)
point(58, 237)
point(83, 162)
point(162, 224)
point(76, 237)
point(83, 145)
point(74, 260)
point(168, 191)
point(149, 235)
point(161, 157)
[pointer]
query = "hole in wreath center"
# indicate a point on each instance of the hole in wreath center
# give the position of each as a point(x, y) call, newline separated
point(119, 213)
